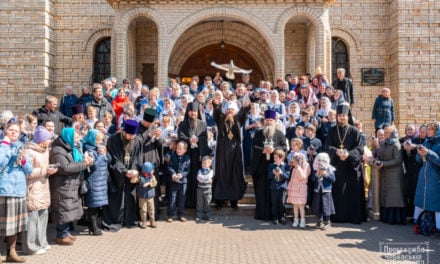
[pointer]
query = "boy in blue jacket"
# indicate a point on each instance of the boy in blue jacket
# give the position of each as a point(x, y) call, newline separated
point(178, 169)
point(278, 174)
point(146, 193)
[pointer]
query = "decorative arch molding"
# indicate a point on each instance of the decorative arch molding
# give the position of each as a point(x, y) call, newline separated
point(220, 12)
point(128, 15)
point(94, 35)
point(314, 15)
point(348, 36)
point(236, 35)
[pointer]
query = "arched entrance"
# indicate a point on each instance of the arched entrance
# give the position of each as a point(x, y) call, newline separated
point(199, 62)
point(200, 44)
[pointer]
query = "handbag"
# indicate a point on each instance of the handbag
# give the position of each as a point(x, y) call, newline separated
point(84, 188)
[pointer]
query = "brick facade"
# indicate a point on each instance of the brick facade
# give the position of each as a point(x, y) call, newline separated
point(47, 44)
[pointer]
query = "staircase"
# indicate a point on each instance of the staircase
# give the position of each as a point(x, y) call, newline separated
point(246, 205)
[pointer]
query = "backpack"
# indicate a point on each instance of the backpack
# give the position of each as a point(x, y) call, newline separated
point(425, 223)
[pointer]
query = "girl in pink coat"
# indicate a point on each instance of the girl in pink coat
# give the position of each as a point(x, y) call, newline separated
point(297, 188)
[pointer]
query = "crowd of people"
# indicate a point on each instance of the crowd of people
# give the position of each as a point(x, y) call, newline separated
point(111, 149)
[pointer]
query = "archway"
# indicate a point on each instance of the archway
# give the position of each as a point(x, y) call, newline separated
point(200, 44)
point(199, 62)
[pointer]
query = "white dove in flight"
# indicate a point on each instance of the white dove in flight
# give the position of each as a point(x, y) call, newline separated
point(230, 69)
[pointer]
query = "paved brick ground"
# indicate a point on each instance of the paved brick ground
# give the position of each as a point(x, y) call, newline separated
point(235, 239)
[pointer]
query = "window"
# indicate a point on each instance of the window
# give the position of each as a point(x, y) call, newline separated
point(102, 60)
point(340, 58)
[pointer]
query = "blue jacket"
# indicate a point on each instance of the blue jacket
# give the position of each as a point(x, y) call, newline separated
point(428, 185)
point(13, 177)
point(97, 178)
point(145, 192)
point(66, 104)
point(383, 112)
point(281, 183)
point(179, 164)
point(325, 184)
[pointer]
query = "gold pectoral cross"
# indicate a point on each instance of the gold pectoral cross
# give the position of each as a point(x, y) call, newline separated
point(341, 146)
point(230, 135)
point(127, 159)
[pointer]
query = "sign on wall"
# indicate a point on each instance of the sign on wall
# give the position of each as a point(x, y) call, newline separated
point(373, 76)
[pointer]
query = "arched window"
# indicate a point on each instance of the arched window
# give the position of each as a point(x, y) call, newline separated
point(340, 58)
point(102, 60)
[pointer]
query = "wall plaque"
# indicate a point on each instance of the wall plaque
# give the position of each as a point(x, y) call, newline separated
point(373, 76)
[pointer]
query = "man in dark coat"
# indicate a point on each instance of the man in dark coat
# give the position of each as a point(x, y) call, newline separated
point(99, 102)
point(265, 142)
point(49, 112)
point(149, 132)
point(229, 183)
point(344, 146)
point(345, 85)
point(125, 150)
point(192, 130)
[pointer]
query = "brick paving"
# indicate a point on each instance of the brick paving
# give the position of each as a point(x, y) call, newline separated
point(235, 239)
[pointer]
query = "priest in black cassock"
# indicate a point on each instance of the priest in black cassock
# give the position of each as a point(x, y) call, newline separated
point(229, 183)
point(266, 141)
point(344, 146)
point(149, 133)
point(125, 150)
point(192, 130)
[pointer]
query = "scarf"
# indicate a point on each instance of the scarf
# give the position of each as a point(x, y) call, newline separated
point(68, 135)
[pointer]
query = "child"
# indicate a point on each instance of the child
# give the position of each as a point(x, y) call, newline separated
point(278, 174)
point(107, 120)
point(146, 193)
point(296, 146)
point(178, 169)
point(91, 116)
point(297, 189)
point(204, 190)
point(358, 125)
point(323, 177)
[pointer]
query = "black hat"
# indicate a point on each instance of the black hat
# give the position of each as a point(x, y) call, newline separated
point(193, 106)
point(149, 115)
point(77, 109)
point(343, 109)
point(131, 127)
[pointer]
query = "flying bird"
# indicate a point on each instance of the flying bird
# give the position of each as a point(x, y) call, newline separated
point(230, 69)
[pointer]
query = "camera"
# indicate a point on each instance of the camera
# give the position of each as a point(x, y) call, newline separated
point(420, 146)
point(378, 163)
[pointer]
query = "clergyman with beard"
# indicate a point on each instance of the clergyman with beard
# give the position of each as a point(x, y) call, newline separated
point(229, 183)
point(345, 148)
point(192, 130)
point(125, 150)
point(266, 141)
point(149, 133)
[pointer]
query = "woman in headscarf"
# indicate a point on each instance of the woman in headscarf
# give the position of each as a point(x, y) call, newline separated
point(96, 177)
point(428, 186)
point(412, 168)
point(15, 164)
point(64, 185)
point(389, 160)
point(383, 110)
